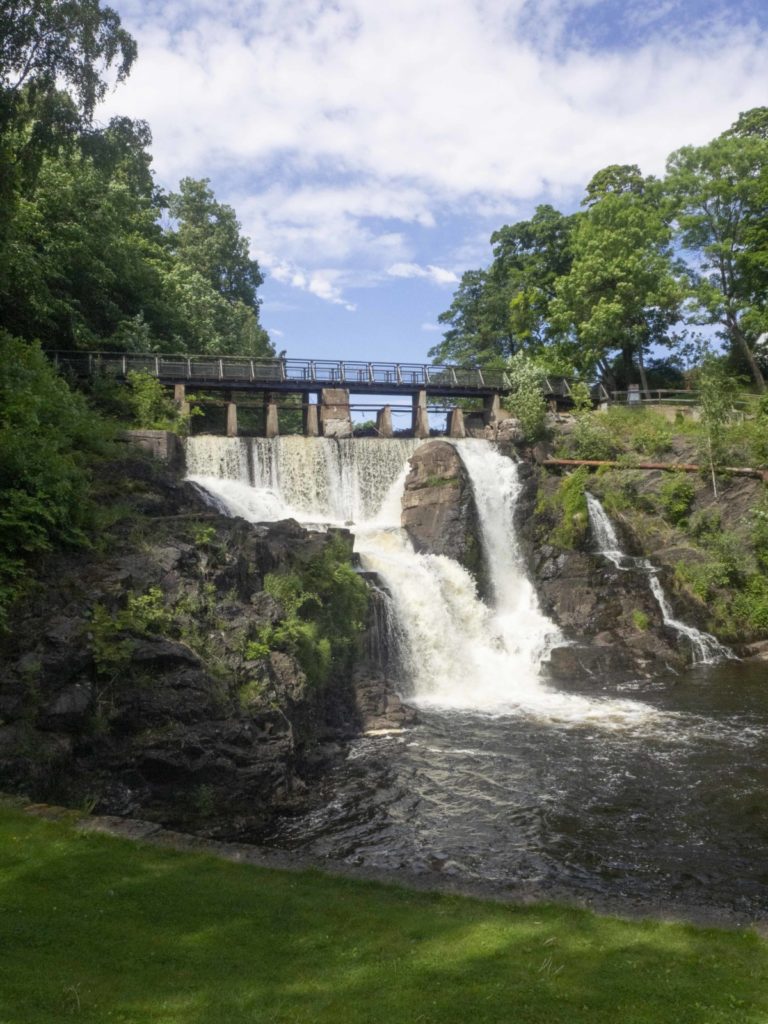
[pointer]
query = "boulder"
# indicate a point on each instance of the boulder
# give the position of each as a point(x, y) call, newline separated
point(439, 513)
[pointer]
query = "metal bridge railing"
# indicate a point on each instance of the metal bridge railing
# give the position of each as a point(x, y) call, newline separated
point(301, 372)
point(305, 374)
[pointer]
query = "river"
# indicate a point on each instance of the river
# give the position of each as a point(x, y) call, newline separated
point(649, 794)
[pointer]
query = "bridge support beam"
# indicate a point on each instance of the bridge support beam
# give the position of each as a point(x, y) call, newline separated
point(456, 423)
point(384, 421)
point(271, 423)
point(309, 415)
point(231, 419)
point(335, 420)
point(420, 418)
point(491, 410)
point(180, 399)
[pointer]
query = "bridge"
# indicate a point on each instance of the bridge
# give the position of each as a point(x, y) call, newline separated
point(331, 380)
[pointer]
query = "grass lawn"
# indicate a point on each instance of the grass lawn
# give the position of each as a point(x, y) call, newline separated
point(96, 929)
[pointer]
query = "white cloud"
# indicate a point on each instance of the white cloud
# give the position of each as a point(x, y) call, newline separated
point(343, 131)
point(431, 328)
point(439, 275)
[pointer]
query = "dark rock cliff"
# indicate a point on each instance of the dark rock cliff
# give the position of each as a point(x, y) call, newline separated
point(609, 616)
point(153, 674)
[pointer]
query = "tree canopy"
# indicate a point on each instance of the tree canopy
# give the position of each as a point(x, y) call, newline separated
point(641, 265)
point(84, 260)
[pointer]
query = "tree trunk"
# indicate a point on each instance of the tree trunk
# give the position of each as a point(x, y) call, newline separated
point(643, 376)
point(629, 365)
point(743, 345)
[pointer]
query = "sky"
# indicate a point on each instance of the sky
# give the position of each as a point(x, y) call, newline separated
point(370, 148)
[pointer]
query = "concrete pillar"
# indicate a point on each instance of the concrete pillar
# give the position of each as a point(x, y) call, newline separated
point(419, 418)
point(231, 419)
point(335, 420)
point(491, 410)
point(456, 423)
point(384, 421)
point(311, 428)
point(180, 398)
point(272, 425)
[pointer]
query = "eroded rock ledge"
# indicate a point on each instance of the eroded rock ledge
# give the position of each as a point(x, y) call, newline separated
point(137, 680)
point(439, 513)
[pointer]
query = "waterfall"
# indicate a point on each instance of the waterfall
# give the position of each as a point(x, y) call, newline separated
point(453, 649)
point(706, 649)
point(314, 480)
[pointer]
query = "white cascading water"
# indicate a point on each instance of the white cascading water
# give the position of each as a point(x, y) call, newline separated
point(705, 649)
point(457, 651)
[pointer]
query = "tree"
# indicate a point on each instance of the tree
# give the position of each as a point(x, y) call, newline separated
point(718, 392)
point(721, 196)
point(46, 43)
point(46, 431)
point(213, 281)
point(477, 323)
point(500, 311)
point(622, 293)
point(85, 254)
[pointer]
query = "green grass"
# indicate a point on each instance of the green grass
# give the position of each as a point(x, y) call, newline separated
point(96, 929)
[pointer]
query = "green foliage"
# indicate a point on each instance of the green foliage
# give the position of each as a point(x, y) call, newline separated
point(112, 634)
point(640, 620)
point(622, 292)
point(441, 481)
point(717, 394)
point(500, 311)
point(582, 399)
point(750, 605)
point(46, 43)
point(565, 511)
point(720, 192)
point(676, 497)
point(152, 408)
point(526, 401)
point(759, 534)
point(47, 435)
point(592, 438)
point(325, 605)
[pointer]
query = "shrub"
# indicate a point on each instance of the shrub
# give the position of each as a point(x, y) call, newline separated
point(571, 504)
point(527, 400)
point(47, 435)
point(325, 605)
point(640, 620)
point(676, 497)
point(593, 438)
point(152, 408)
point(111, 642)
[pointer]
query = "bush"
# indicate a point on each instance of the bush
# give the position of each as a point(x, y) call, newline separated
point(152, 408)
point(676, 497)
point(111, 643)
point(593, 438)
point(526, 402)
point(325, 606)
point(47, 433)
point(570, 505)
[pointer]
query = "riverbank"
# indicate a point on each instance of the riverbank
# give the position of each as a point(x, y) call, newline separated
point(135, 933)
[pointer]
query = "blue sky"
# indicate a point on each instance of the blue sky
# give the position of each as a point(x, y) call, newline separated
point(370, 149)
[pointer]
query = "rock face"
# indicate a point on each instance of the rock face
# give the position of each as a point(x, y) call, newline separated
point(439, 513)
point(610, 617)
point(136, 679)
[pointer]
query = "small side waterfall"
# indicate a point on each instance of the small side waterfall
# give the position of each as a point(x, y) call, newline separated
point(705, 648)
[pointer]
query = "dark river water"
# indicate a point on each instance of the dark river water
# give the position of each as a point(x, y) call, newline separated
point(668, 812)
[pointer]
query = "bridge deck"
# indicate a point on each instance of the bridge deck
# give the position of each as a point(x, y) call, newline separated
point(237, 373)
point(242, 374)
